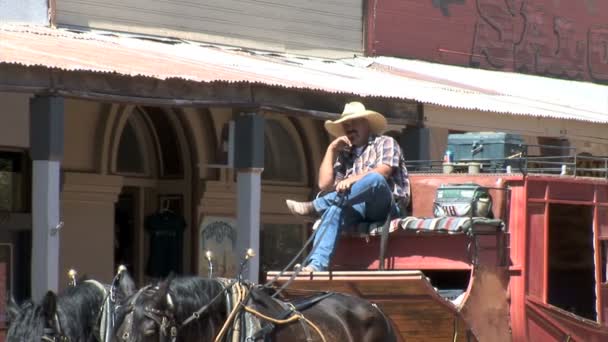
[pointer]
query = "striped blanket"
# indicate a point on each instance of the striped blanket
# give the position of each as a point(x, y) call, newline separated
point(452, 225)
point(446, 224)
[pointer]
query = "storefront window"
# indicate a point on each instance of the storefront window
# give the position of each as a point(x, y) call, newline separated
point(279, 244)
point(11, 182)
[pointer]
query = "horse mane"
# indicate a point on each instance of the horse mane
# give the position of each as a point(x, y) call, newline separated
point(29, 322)
point(191, 293)
point(77, 307)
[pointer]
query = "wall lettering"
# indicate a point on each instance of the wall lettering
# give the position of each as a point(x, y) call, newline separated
point(494, 35)
point(521, 35)
point(598, 53)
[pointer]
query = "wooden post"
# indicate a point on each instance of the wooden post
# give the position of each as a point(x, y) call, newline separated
point(46, 147)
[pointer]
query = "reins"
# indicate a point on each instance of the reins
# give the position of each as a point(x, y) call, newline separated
point(169, 328)
point(242, 296)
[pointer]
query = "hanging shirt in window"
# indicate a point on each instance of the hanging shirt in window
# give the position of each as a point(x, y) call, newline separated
point(166, 232)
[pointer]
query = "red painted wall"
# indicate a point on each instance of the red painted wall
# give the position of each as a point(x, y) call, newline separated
point(559, 38)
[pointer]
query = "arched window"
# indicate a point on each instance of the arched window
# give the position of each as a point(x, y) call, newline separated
point(131, 151)
point(171, 164)
point(284, 158)
point(148, 145)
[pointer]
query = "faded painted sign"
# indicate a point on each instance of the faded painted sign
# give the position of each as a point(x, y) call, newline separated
point(218, 235)
point(566, 39)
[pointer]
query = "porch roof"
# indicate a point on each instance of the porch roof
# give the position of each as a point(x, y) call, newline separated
point(381, 77)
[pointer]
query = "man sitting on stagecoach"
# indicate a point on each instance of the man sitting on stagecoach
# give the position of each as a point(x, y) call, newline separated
point(365, 176)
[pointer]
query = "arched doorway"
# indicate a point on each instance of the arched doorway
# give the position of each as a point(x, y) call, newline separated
point(152, 215)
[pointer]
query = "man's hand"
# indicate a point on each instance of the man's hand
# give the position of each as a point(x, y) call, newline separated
point(345, 184)
point(326, 171)
point(339, 144)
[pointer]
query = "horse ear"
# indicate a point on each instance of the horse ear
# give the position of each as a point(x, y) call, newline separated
point(163, 298)
point(126, 285)
point(49, 305)
point(12, 309)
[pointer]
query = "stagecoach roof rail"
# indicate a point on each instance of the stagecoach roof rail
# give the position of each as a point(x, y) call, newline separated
point(564, 165)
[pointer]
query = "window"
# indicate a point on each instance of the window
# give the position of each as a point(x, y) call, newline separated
point(130, 157)
point(283, 159)
point(170, 149)
point(571, 272)
point(555, 147)
point(279, 243)
point(12, 182)
point(602, 223)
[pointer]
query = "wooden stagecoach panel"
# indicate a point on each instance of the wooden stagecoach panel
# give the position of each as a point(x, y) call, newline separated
point(405, 251)
point(415, 308)
point(563, 295)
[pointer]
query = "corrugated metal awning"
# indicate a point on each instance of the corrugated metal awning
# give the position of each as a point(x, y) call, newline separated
point(383, 77)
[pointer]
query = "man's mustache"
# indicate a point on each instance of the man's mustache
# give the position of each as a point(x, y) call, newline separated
point(350, 132)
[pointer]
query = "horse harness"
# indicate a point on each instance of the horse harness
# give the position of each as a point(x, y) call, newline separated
point(163, 318)
point(291, 311)
point(236, 295)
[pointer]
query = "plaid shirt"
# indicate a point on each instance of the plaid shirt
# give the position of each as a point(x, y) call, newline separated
point(379, 150)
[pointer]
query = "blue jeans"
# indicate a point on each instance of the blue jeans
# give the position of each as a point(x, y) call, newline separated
point(369, 200)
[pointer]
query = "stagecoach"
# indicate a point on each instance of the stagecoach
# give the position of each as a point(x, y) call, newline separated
point(536, 271)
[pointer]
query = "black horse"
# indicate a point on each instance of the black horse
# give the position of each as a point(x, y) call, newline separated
point(196, 309)
point(73, 316)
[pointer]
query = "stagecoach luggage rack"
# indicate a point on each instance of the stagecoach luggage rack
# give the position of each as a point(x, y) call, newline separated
point(485, 146)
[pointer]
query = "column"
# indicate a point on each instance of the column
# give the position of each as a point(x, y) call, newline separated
point(87, 238)
point(46, 148)
point(249, 164)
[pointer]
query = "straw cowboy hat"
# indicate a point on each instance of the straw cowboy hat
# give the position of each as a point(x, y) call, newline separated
point(356, 110)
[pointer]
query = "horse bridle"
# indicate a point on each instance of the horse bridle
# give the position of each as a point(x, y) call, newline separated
point(165, 319)
point(168, 326)
point(53, 331)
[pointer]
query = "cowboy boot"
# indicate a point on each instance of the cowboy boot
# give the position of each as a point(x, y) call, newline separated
point(305, 209)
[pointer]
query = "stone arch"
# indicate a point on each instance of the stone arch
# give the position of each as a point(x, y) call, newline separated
point(120, 117)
